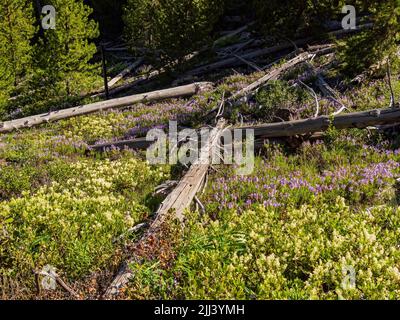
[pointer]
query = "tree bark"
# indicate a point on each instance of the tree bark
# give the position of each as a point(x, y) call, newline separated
point(182, 91)
point(344, 121)
point(124, 72)
point(359, 120)
point(229, 62)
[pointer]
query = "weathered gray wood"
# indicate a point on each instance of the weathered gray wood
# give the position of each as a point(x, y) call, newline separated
point(272, 75)
point(231, 34)
point(124, 72)
point(360, 120)
point(116, 49)
point(226, 51)
point(265, 51)
point(325, 87)
point(130, 83)
point(175, 203)
point(330, 93)
point(350, 120)
point(182, 91)
point(146, 77)
point(225, 63)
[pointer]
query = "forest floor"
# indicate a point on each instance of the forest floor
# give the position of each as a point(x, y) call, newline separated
point(311, 211)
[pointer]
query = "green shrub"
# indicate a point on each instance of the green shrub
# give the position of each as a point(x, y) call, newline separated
point(16, 32)
point(71, 223)
point(300, 254)
point(14, 180)
point(373, 47)
point(278, 101)
point(288, 230)
point(63, 57)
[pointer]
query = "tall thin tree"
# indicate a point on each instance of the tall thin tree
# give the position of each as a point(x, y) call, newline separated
point(65, 52)
point(17, 28)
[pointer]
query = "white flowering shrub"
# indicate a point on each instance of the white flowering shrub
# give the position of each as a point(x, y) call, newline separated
point(289, 230)
point(322, 223)
point(299, 254)
point(72, 223)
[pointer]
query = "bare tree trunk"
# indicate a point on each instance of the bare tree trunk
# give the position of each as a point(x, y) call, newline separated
point(182, 91)
point(292, 128)
point(175, 203)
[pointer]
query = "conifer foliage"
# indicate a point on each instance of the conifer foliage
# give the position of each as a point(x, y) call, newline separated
point(376, 47)
point(357, 53)
point(16, 31)
point(64, 54)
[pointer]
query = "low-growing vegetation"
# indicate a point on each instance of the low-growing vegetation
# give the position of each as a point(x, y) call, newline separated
point(291, 230)
point(318, 218)
point(74, 221)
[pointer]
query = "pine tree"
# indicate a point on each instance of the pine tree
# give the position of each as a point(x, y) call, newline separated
point(16, 31)
point(65, 52)
point(371, 49)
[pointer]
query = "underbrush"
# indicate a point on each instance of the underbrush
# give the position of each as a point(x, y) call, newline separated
point(294, 97)
point(286, 231)
point(322, 223)
point(74, 222)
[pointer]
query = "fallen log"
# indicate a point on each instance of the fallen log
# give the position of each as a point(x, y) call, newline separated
point(249, 63)
point(139, 144)
point(330, 93)
point(359, 120)
point(182, 91)
point(175, 203)
point(325, 88)
point(149, 76)
point(234, 19)
point(117, 49)
point(229, 62)
point(233, 61)
point(142, 143)
point(130, 83)
point(228, 50)
point(317, 47)
point(124, 72)
point(231, 34)
point(272, 75)
point(112, 91)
